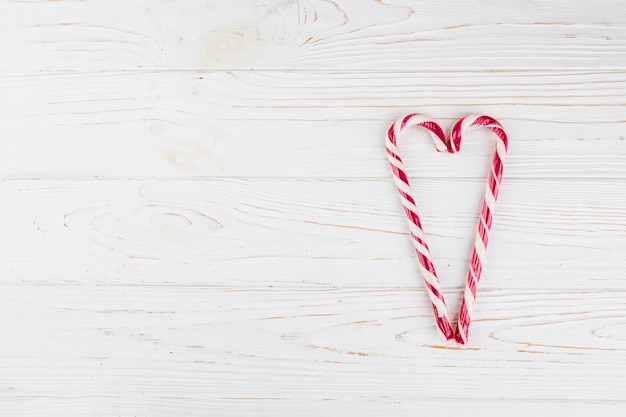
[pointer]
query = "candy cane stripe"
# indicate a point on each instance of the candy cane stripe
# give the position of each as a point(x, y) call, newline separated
point(486, 214)
point(490, 198)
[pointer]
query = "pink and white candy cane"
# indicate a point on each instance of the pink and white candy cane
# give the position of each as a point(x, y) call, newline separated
point(461, 128)
point(427, 268)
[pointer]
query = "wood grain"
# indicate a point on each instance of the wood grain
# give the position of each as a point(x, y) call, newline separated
point(310, 34)
point(260, 233)
point(300, 124)
point(189, 344)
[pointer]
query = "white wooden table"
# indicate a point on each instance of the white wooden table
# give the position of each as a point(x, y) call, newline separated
point(198, 218)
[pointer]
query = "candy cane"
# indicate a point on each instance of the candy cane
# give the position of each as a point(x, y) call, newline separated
point(460, 129)
point(427, 267)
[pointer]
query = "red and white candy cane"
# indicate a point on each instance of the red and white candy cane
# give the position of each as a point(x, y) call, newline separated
point(427, 268)
point(460, 129)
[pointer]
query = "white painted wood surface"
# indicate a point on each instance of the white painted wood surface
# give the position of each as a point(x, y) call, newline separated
point(199, 219)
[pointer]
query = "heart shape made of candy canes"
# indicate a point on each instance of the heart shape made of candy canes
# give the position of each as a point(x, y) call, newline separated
point(427, 268)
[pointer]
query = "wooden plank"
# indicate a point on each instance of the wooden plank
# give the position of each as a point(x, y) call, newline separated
point(263, 233)
point(201, 344)
point(303, 124)
point(315, 34)
point(166, 406)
